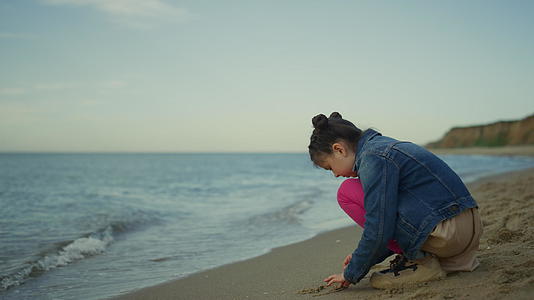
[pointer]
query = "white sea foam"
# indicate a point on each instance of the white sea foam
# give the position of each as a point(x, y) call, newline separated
point(80, 248)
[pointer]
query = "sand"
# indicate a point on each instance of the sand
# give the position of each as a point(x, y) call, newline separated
point(296, 271)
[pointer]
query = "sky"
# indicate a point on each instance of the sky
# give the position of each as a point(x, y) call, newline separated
point(248, 76)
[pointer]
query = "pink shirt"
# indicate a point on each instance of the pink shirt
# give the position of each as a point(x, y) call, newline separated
point(350, 198)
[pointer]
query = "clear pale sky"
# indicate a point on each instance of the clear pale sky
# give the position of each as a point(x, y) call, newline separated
point(212, 76)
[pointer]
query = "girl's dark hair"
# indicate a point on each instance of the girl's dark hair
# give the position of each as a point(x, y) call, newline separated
point(329, 131)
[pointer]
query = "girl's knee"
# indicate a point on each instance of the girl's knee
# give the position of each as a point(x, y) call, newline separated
point(350, 199)
point(350, 190)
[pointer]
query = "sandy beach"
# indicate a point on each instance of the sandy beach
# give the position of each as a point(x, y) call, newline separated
point(296, 271)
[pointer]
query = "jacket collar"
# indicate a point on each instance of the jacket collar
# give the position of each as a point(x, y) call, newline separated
point(366, 136)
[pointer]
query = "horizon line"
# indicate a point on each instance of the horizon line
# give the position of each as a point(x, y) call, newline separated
point(151, 152)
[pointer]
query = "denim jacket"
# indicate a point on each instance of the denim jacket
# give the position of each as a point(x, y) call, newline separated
point(408, 191)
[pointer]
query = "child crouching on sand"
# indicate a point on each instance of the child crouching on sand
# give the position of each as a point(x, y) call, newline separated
point(407, 200)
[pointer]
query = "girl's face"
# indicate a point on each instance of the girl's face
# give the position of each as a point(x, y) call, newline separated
point(340, 161)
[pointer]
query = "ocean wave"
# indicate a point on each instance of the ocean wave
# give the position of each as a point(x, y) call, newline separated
point(288, 215)
point(64, 253)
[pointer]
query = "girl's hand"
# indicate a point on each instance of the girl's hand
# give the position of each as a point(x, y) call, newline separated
point(336, 278)
point(347, 261)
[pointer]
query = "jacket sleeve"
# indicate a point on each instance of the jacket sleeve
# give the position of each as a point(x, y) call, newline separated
point(380, 178)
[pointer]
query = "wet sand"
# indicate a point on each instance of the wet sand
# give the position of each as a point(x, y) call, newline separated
point(296, 271)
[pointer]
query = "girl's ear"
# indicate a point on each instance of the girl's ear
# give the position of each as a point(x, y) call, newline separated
point(338, 148)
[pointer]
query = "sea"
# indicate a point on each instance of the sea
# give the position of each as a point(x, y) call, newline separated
point(96, 225)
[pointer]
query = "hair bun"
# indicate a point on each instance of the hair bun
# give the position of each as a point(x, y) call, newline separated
point(335, 115)
point(320, 121)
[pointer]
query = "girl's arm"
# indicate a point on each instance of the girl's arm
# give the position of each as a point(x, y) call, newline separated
point(380, 177)
point(350, 198)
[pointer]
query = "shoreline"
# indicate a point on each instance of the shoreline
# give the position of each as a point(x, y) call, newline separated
point(296, 271)
point(523, 150)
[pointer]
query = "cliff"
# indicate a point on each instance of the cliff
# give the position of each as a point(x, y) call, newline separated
point(502, 133)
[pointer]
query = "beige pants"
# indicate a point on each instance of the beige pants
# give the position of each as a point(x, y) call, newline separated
point(455, 241)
